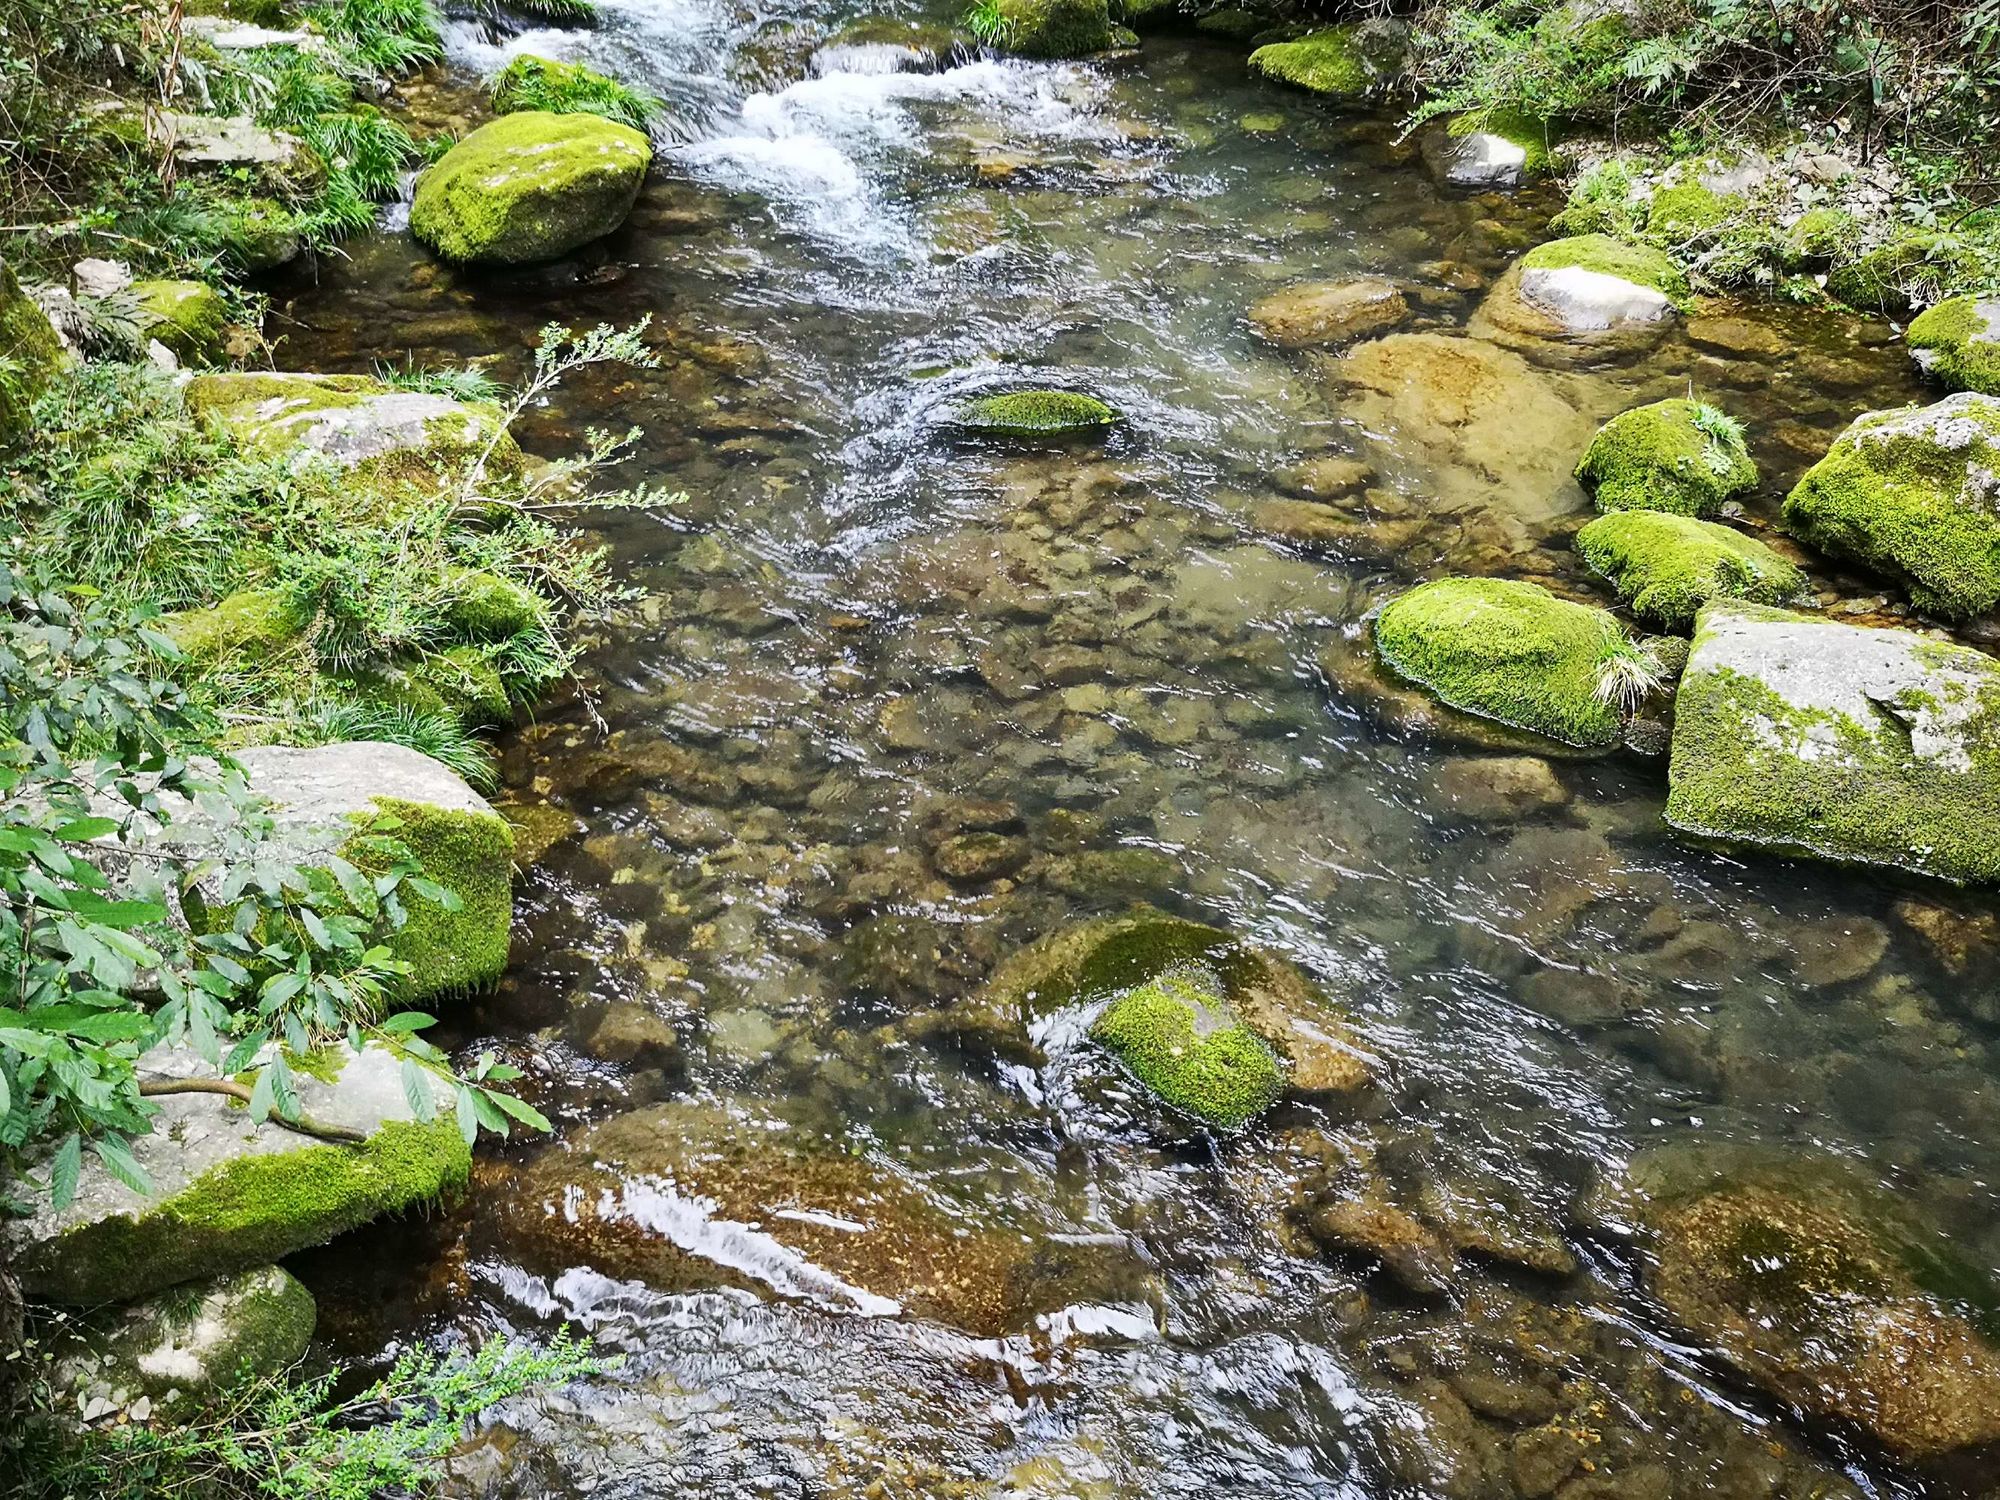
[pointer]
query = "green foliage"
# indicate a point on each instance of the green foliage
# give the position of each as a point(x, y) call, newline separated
point(434, 732)
point(988, 22)
point(1223, 1073)
point(292, 1438)
point(560, 88)
point(460, 383)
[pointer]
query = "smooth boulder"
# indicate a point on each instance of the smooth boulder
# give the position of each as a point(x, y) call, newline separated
point(1957, 343)
point(1677, 455)
point(1666, 567)
point(229, 1195)
point(1913, 494)
point(1326, 314)
point(528, 187)
point(1588, 287)
point(1862, 745)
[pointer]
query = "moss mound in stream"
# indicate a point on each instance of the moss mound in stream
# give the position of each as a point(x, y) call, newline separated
point(1056, 28)
point(530, 187)
point(1678, 456)
point(1642, 265)
point(529, 82)
point(1031, 414)
point(1180, 1039)
point(1329, 61)
point(1509, 651)
point(1666, 567)
point(1957, 343)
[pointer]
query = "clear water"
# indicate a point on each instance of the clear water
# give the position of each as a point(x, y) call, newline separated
point(855, 626)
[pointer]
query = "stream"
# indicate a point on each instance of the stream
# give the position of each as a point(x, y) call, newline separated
point(889, 705)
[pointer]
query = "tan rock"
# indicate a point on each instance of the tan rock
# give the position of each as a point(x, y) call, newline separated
point(1324, 314)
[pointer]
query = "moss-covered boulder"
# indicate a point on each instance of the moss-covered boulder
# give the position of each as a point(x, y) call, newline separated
point(530, 187)
point(529, 82)
point(1679, 456)
point(693, 1196)
point(30, 356)
point(1666, 566)
point(1586, 286)
point(1036, 414)
point(1907, 270)
point(1493, 149)
point(386, 438)
point(1957, 342)
point(1509, 651)
point(1824, 1291)
point(259, 234)
point(1325, 314)
point(178, 1353)
point(1913, 494)
point(1182, 1040)
point(189, 317)
point(229, 1195)
point(482, 606)
point(1055, 28)
point(1252, 994)
point(1867, 746)
point(1328, 61)
point(1691, 213)
point(249, 628)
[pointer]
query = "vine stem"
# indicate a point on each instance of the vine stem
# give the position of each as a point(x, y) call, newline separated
point(304, 1124)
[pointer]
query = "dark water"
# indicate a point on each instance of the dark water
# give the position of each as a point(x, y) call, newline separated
point(859, 639)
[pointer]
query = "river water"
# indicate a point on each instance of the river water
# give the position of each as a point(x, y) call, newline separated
point(842, 1252)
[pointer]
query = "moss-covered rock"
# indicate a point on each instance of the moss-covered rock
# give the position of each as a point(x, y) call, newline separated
point(30, 356)
point(1588, 285)
point(1330, 61)
point(230, 1195)
point(482, 606)
point(1957, 342)
point(1056, 28)
point(529, 82)
point(1488, 149)
point(1914, 494)
point(178, 1353)
point(249, 628)
point(1036, 414)
point(1821, 1289)
point(1102, 959)
point(530, 187)
point(1861, 745)
point(1677, 455)
point(1667, 566)
point(1906, 271)
point(1180, 1038)
point(1509, 651)
point(1641, 265)
point(260, 234)
point(189, 317)
point(1688, 213)
point(1816, 238)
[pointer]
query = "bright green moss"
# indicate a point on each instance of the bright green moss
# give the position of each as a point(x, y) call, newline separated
point(465, 680)
point(1531, 133)
point(1508, 651)
point(1915, 267)
point(471, 855)
point(1178, 1040)
point(249, 627)
point(1666, 566)
point(189, 317)
point(30, 356)
point(1036, 414)
point(1677, 455)
point(481, 606)
point(259, 234)
point(1641, 265)
point(1817, 237)
point(1689, 212)
point(1958, 342)
point(565, 88)
point(1056, 28)
point(530, 187)
point(1908, 494)
point(1328, 61)
point(250, 1211)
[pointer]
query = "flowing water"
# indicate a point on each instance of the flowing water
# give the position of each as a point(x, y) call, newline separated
point(844, 1251)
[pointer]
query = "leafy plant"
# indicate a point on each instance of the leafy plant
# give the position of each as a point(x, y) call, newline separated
point(565, 88)
point(439, 734)
point(1717, 426)
point(1626, 674)
point(988, 21)
point(460, 382)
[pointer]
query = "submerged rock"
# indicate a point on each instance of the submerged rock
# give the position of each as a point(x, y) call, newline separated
point(1327, 313)
point(1958, 343)
point(1823, 1292)
point(530, 186)
point(178, 1352)
point(689, 1196)
point(1182, 1039)
point(1036, 414)
point(1499, 788)
point(1914, 494)
point(1850, 743)
point(1508, 651)
point(1056, 28)
point(229, 1195)
point(1680, 456)
point(33, 350)
point(1666, 567)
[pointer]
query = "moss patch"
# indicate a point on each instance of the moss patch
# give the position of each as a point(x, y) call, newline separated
point(189, 317)
point(249, 627)
point(30, 356)
point(1912, 494)
point(472, 856)
point(1958, 343)
point(1670, 456)
point(1642, 265)
point(1688, 213)
point(1056, 28)
point(1530, 132)
point(568, 88)
point(1329, 61)
point(481, 606)
point(1508, 651)
point(1176, 1037)
point(1036, 414)
point(1667, 566)
point(530, 187)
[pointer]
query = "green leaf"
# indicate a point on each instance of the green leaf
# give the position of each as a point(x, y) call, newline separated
point(417, 1090)
point(406, 1021)
point(64, 1171)
point(6, 1093)
point(120, 1163)
point(468, 1114)
point(527, 1114)
point(489, 1114)
point(261, 1098)
point(83, 830)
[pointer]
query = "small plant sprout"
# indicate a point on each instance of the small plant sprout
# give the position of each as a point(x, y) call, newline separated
point(1626, 673)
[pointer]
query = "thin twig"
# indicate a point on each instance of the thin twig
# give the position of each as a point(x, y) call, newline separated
point(302, 1122)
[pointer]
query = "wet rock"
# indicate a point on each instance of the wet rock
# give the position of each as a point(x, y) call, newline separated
point(1841, 741)
point(1484, 158)
point(1678, 456)
point(1577, 997)
point(974, 858)
point(1499, 788)
point(1956, 940)
point(1496, 1221)
point(689, 1196)
point(1180, 1036)
point(538, 828)
point(629, 1033)
point(1325, 477)
point(1326, 314)
point(1371, 1226)
point(1056, 28)
point(1838, 950)
point(530, 187)
point(1106, 876)
point(1744, 337)
point(1957, 343)
point(1913, 494)
point(1666, 567)
point(1343, 63)
point(1047, 415)
point(229, 1195)
point(1823, 1292)
point(1586, 286)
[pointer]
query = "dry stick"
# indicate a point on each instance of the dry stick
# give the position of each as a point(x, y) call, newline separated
point(303, 1123)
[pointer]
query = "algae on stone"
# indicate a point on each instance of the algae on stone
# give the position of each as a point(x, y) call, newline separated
point(1056, 28)
point(1180, 1038)
point(1509, 651)
point(529, 82)
point(1913, 494)
point(530, 187)
point(1667, 566)
point(1642, 265)
point(1845, 742)
point(1036, 414)
point(1675, 455)
point(1958, 343)
point(251, 626)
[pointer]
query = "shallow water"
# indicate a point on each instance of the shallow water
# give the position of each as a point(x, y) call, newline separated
point(856, 634)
